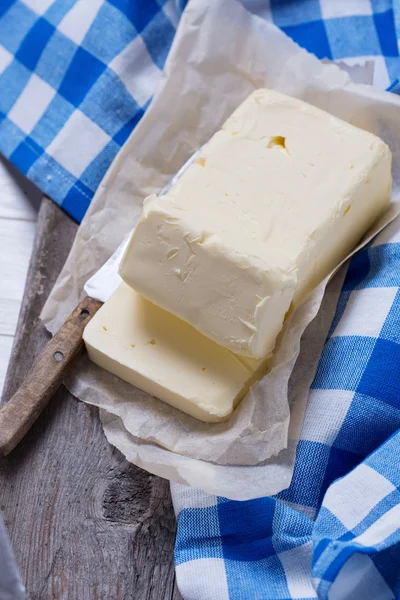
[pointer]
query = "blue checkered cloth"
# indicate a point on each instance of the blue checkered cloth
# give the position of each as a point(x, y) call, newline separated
point(75, 78)
point(77, 75)
point(334, 533)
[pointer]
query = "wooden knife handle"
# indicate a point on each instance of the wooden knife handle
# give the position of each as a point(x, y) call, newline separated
point(44, 377)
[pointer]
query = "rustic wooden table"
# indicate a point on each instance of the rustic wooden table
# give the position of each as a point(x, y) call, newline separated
point(84, 523)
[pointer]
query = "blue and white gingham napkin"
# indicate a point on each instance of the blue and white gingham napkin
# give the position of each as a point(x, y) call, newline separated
point(335, 532)
point(75, 78)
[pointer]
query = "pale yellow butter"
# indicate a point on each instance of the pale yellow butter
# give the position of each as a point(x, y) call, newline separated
point(167, 358)
point(280, 195)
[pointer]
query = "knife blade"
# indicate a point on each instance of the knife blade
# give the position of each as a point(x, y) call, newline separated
point(106, 280)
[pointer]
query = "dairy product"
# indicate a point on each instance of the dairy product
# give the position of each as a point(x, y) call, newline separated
point(167, 358)
point(279, 196)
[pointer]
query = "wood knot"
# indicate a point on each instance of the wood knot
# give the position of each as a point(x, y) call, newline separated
point(127, 496)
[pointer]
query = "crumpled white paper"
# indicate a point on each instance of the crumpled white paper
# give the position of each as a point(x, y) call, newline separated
point(219, 55)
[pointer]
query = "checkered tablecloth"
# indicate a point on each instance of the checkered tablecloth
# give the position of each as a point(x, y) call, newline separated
point(75, 78)
point(335, 532)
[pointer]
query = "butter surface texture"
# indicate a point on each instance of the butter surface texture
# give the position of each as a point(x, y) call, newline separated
point(280, 195)
point(167, 358)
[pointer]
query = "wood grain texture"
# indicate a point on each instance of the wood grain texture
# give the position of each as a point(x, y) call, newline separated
point(44, 377)
point(6, 343)
point(14, 257)
point(84, 523)
point(19, 197)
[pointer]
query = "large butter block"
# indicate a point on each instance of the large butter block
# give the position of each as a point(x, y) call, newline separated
point(167, 358)
point(281, 194)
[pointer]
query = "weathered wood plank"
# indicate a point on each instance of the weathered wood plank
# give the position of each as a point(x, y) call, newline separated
point(14, 260)
point(6, 343)
point(14, 191)
point(55, 233)
point(84, 523)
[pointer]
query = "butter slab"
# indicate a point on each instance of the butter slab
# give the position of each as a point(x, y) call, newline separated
point(280, 195)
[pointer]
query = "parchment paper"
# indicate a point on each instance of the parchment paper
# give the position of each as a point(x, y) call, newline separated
point(219, 55)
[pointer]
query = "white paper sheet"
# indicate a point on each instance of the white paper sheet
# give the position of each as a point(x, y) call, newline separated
point(219, 55)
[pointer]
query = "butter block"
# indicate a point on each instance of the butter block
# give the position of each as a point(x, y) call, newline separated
point(167, 358)
point(279, 196)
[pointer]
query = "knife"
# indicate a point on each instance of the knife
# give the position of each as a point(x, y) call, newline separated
point(50, 367)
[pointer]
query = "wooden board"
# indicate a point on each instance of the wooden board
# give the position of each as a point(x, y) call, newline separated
point(84, 523)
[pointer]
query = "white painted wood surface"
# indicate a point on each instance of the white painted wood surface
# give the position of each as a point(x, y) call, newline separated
point(19, 203)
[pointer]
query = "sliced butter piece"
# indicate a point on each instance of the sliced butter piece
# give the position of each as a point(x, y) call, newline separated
point(278, 198)
point(167, 358)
